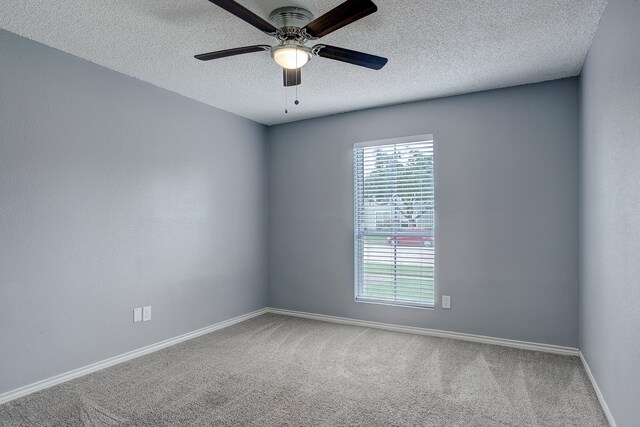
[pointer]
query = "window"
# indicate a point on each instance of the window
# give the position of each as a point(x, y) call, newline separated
point(394, 214)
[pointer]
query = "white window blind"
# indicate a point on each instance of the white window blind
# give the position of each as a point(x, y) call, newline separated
point(395, 222)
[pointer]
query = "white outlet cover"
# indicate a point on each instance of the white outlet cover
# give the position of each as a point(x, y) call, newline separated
point(146, 313)
point(137, 314)
point(446, 301)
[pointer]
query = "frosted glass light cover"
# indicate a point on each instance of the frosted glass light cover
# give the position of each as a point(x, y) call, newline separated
point(291, 57)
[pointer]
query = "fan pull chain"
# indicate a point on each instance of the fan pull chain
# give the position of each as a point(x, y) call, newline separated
point(286, 101)
point(297, 81)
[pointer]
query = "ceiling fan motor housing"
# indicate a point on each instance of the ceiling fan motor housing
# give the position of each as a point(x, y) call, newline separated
point(291, 53)
point(290, 18)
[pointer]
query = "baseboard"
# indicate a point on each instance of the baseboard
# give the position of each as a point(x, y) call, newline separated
point(547, 348)
point(58, 379)
point(605, 407)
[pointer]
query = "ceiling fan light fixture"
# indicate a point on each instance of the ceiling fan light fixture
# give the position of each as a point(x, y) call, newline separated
point(293, 27)
point(290, 56)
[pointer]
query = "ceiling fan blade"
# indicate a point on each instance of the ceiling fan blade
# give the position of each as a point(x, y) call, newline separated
point(291, 77)
point(231, 52)
point(350, 56)
point(246, 15)
point(344, 14)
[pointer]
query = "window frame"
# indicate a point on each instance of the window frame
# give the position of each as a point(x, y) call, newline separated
point(356, 259)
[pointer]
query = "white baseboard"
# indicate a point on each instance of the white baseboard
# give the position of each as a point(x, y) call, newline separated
point(547, 348)
point(40, 385)
point(605, 407)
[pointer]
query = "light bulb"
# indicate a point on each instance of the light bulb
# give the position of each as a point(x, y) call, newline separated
point(291, 57)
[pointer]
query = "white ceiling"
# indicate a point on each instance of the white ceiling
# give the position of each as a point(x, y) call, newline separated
point(435, 48)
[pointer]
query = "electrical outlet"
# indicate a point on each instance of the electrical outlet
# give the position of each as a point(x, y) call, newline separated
point(446, 301)
point(146, 313)
point(137, 315)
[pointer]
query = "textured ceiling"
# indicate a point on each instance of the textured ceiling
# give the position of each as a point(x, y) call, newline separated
point(435, 48)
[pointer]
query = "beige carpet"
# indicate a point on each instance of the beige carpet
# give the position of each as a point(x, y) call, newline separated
point(282, 371)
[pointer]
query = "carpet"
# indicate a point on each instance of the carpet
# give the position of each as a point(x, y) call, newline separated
point(277, 370)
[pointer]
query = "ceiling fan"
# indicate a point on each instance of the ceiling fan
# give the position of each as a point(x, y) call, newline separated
point(293, 27)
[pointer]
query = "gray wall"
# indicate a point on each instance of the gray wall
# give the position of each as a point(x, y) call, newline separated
point(610, 210)
point(115, 194)
point(506, 208)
